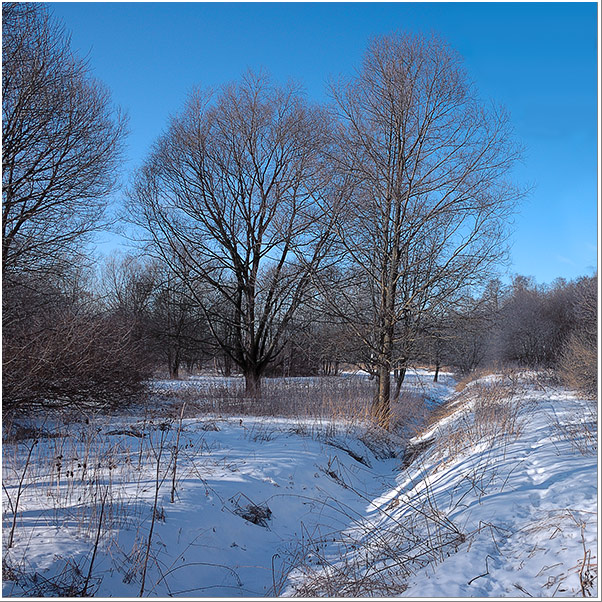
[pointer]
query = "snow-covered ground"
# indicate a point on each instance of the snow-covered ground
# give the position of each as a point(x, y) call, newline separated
point(530, 511)
point(500, 500)
point(283, 506)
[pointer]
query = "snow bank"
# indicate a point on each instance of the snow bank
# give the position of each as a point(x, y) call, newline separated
point(502, 514)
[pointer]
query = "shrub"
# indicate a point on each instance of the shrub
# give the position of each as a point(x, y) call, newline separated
point(65, 357)
point(578, 365)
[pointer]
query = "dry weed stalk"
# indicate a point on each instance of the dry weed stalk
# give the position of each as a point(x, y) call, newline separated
point(163, 428)
point(175, 454)
point(15, 505)
point(96, 542)
point(377, 558)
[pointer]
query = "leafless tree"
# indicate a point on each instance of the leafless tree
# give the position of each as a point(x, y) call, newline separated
point(178, 324)
point(537, 321)
point(158, 307)
point(233, 194)
point(315, 344)
point(466, 336)
point(128, 284)
point(61, 140)
point(429, 199)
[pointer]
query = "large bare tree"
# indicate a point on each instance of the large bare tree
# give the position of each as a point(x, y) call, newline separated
point(61, 139)
point(61, 142)
point(232, 198)
point(429, 200)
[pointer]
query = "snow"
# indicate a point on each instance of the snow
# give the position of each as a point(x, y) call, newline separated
point(272, 506)
point(508, 517)
point(202, 546)
point(541, 503)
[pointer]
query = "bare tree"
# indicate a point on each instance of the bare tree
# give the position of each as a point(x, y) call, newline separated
point(128, 284)
point(537, 321)
point(178, 324)
point(233, 195)
point(429, 200)
point(157, 305)
point(467, 335)
point(61, 142)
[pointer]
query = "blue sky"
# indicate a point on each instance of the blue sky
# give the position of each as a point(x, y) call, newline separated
point(538, 59)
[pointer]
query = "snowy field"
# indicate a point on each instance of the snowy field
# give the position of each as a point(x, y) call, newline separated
point(497, 496)
point(350, 393)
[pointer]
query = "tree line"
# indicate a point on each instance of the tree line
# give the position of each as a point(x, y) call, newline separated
point(274, 235)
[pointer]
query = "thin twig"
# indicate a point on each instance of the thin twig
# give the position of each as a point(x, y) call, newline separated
point(96, 542)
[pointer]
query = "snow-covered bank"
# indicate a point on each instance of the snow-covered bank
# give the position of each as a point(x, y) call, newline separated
point(250, 492)
point(481, 512)
point(531, 521)
point(497, 497)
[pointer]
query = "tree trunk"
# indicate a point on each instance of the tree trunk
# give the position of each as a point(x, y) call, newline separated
point(252, 383)
point(173, 359)
point(436, 378)
point(227, 365)
point(400, 374)
point(381, 406)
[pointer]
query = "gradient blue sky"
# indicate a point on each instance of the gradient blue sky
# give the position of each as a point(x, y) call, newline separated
point(538, 59)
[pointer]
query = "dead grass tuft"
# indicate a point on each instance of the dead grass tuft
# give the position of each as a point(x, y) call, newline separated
point(489, 413)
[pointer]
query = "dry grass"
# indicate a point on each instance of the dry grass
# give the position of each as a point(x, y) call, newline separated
point(489, 412)
point(285, 397)
point(581, 431)
point(369, 558)
point(468, 379)
point(326, 401)
point(375, 557)
point(86, 462)
point(90, 485)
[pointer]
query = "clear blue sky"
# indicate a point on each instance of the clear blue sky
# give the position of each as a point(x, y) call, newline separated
point(538, 59)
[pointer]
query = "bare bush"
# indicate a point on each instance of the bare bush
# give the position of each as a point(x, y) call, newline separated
point(578, 364)
point(85, 359)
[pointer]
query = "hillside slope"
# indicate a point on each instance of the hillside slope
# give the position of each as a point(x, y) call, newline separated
point(499, 500)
